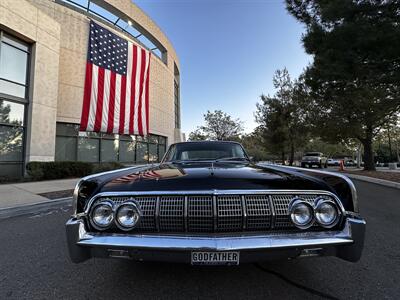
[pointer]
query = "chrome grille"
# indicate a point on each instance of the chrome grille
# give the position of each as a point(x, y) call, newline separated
point(172, 213)
point(281, 206)
point(200, 216)
point(148, 208)
point(229, 212)
point(215, 213)
point(258, 212)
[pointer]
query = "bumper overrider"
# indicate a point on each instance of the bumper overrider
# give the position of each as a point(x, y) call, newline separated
point(346, 243)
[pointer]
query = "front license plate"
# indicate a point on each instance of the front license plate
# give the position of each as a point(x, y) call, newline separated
point(215, 258)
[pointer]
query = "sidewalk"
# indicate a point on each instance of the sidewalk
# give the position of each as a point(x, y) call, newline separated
point(27, 193)
point(379, 169)
point(383, 182)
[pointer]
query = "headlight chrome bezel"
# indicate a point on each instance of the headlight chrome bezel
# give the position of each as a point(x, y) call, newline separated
point(296, 202)
point(135, 208)
point(321, 201)
point(97, 226)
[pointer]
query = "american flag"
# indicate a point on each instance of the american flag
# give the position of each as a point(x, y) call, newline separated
point(116, 92)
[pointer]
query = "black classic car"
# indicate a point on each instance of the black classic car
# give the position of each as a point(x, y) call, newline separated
point(207, 203)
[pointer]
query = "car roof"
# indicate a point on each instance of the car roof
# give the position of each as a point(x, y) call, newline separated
point(207, 142)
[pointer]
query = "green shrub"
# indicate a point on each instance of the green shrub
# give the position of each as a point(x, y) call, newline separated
point(39, 170)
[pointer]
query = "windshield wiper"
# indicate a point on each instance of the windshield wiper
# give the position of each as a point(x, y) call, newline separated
point(235, 158)
point(199, 160)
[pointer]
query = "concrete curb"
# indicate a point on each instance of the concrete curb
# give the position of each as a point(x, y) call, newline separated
point(10, 212)
point(383, 182)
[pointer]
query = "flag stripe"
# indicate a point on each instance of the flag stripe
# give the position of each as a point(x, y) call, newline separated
point(122, 110)
point(111, 106)
point(142, 68)
point(93, 98)
point(99, 106)
point(86, 97)
point(143, 98)
point(117, 102)
point(134, 91)
point(147, 95)
point(128, 107)
point(137, 87)
point(106, 100)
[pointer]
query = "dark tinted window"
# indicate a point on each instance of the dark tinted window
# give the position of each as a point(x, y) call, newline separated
point(205, 151)
point(313, 154)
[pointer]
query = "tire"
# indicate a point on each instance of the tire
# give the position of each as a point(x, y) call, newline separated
point(303, 165)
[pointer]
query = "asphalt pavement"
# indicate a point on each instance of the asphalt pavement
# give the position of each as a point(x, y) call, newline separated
point(34, 265)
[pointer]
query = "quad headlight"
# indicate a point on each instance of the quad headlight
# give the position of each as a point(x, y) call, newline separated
point(102, 215)
point(301, 213)
point(127, 216)
point(326, 213)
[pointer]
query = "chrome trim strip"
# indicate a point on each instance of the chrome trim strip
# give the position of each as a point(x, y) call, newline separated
point(273, 213)
point(216, 243)
point(211, 193)
point(185, 213)
point(157, 214)
point(215, 212)
point(344, 177)
point(244, 213)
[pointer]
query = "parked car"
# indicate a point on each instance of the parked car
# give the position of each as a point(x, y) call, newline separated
point(314, 159)
point(333, 162)
point(350, 163)
point(207, 204)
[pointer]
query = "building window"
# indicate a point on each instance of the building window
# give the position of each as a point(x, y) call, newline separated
point(74, 145)
point(100, 12)
point(177, 98)
point(14, 57)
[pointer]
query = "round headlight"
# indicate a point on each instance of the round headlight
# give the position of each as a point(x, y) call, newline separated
point(301, 213)
point(102, 215)
point(326, 213)
point(127, 216)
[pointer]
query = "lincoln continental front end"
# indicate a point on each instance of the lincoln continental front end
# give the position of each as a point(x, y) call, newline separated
point(206, 203)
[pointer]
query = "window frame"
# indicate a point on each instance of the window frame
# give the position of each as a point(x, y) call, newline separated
point(177, 98)
point(18, 100)
point(27, 81)
point(158, 140)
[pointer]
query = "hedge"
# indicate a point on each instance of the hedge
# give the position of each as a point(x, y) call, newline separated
point(38, 170)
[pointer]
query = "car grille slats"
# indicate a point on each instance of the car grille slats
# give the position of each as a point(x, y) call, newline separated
point(229, 213)
point(281, 206)
point(200, 214)
point(258, 212)
point(214, 213)
point(171, 216)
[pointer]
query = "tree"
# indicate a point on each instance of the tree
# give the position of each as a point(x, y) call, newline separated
point(281, 117)
point(10, 136)
point(355, 76)
point(197, 135)
point(254, 145)
point(387, 142)
point(218, 126)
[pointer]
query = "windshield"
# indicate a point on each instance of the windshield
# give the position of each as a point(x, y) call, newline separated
point(205, 151)
point(313, 154)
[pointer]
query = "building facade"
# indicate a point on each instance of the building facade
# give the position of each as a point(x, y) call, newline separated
point(42, 72)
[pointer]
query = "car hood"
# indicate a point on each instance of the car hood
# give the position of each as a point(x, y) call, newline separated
point(210, 176)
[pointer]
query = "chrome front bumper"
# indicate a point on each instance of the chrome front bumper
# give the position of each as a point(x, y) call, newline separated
point(346, 244)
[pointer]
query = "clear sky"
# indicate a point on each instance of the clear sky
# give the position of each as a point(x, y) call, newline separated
point(228, 52)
